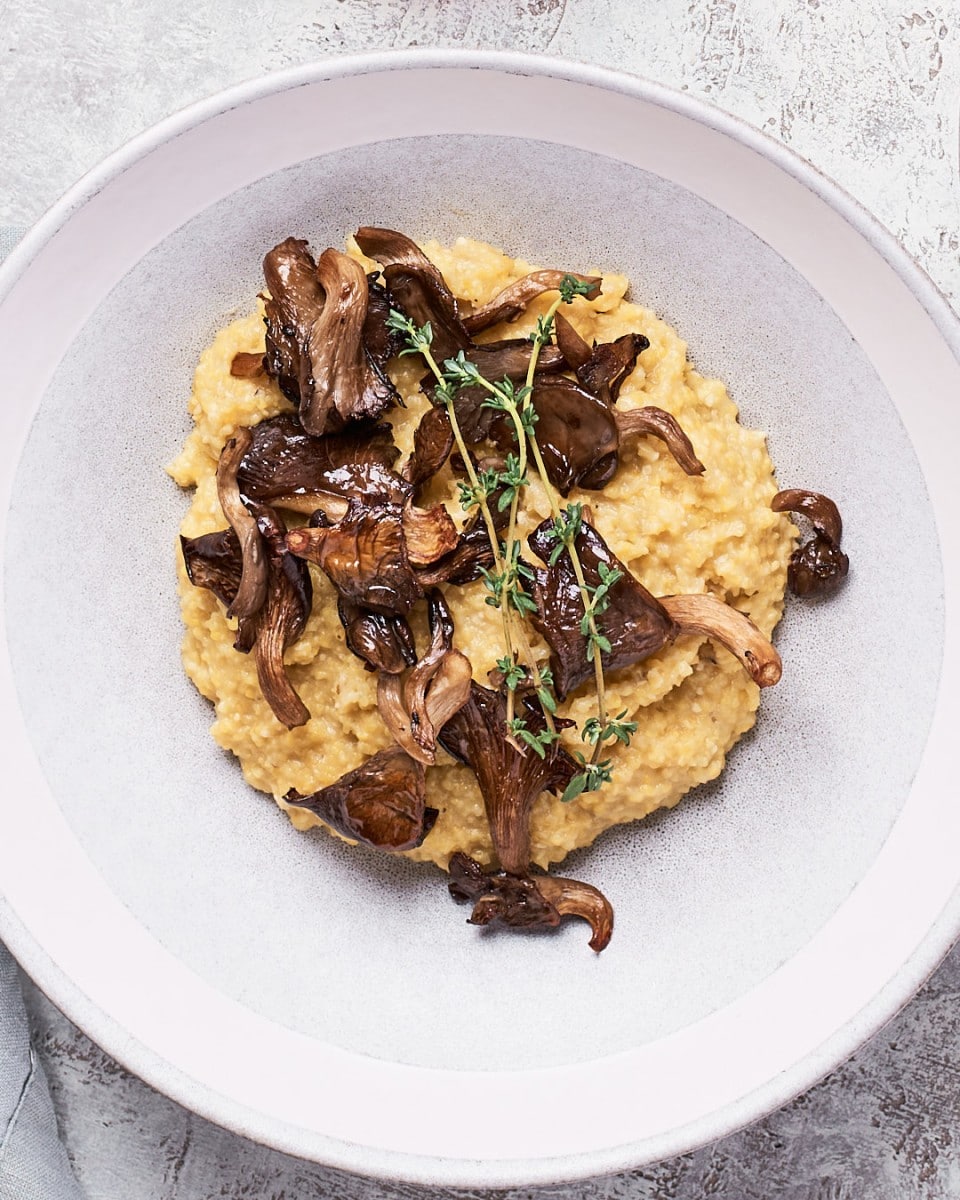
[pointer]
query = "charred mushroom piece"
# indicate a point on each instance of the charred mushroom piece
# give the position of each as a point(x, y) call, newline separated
point(510, 359)
point(635, 623)
point(509, 303)
point(529, 901)
point(610, 363)
point(282, 620)
point(380, 804)
point(496, 360)
point(417, 287)
point(364, 555)
point(708, 615)
point(577, 432)
point(214, 561)
point(378, 340)
point(287, 468)
point(464, 564)
point(385, 643)
point(819, 565)
point(575, 349)
point(416, 707)
point(580, 434)
point(510, 778)
point(432, 444)
point(316, 318)
point(342, 384)
point(253, 579)
point(603, 367)
point(573, 898)
point(428, 533)
point(294, 304)
point(656, 422)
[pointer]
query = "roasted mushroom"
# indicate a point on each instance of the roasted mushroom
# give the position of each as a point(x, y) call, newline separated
point(636, 624)
point(380, 803)
point(508, 304)
point(214, 561)
point(364, 555)
point(529, 901)
point(385, 643)
point(432, 443)
point(316, 317)
point(510, 780)
point(294, 303)
point(248, 366)
point(603, 367)
point(819, 565)
point(417, 288)
point(415, 706)
point(281, 621)
point(285, 467)
point(253, 580)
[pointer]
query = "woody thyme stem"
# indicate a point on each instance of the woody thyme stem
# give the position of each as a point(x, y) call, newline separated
point(502, 563)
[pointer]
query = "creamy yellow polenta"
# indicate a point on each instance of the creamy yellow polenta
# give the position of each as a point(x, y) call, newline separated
point(677, 534)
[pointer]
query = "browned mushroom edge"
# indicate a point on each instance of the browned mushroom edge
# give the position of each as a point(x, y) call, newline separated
point(252, 590)
point(511, 778)
point(636, 623)
point(380, 803)
point(818, 566)
point(364, 556)
point(319, 327)
point(214, 561)
point(415, 705)
point(509, 303)
point(248, 366)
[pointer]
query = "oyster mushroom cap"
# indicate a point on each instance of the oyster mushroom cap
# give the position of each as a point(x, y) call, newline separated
point(380, 803)
point(417, 705)
point(364, 556)
point(417, 287)
point(510, 777)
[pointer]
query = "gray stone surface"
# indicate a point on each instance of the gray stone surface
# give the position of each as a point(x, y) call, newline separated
point(868, 91)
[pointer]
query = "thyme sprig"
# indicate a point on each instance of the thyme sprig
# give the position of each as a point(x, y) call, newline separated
point(505, 582)
point(567, 523)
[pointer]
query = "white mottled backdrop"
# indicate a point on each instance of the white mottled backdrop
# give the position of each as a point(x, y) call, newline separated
point(869, 92)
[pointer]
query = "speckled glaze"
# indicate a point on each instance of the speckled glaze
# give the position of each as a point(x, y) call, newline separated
point(806, 812)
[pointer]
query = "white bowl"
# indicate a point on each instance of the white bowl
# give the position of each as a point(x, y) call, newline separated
point(332, 1003)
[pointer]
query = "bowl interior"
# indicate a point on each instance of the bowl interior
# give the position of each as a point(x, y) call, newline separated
point(710, 898)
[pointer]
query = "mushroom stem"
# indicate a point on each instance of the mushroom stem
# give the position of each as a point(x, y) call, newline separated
point(658, 423)
point(573, 898)
point(252, 591)
point(818, 565)
point(276, 687)
point(819, 510)
point(708, 615)
point(509, 303)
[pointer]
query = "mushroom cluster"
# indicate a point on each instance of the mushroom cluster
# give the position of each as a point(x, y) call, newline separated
point(322, 484)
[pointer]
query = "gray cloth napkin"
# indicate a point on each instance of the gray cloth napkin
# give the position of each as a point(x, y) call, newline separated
point(33, 1161)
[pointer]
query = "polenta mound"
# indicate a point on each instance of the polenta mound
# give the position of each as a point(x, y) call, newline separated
point(678, 534)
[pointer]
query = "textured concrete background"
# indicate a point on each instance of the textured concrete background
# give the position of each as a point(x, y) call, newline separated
point(869, 92)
